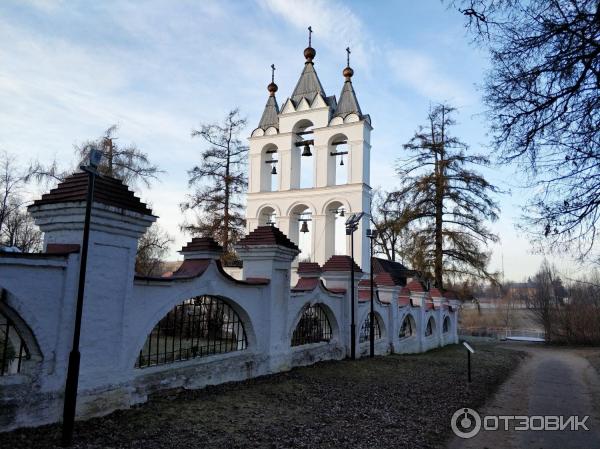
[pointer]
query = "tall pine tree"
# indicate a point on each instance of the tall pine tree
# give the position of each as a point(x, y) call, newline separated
point(218, 182)
point(446, 203)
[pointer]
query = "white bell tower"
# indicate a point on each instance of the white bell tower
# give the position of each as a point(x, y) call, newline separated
point(309, 167)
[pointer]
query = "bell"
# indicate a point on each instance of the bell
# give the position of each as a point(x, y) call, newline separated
point(342, 160)
point(304, 227)
point(306, 151)
point(274, 170)
point(342, 212)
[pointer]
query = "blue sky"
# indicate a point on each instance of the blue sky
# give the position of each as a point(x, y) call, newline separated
point(158, 69)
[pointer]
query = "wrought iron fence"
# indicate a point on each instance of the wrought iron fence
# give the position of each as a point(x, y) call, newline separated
point(198, 327)
point(365, 330)
point(429, 327)
point(502, 332)
point(408, 327)
point(13, 350)
point(313, 327)
point(446, 325)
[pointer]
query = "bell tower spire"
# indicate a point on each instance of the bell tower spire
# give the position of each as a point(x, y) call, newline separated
point(348, 104)
point(270, 116)
point(311, 168)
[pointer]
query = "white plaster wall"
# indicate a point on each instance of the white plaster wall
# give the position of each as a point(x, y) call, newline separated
point(120, 311)
point(355, 195)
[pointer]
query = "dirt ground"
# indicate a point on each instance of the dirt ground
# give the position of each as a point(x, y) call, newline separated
point(553, 381)
point(393, 401)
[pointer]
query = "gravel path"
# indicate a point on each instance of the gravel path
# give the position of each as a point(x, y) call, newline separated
point(394, 401)
point(553, 381)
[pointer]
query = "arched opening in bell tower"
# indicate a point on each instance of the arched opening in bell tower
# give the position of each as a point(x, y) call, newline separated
point(302, 230)
point(336, 214)
point(303, 159)
point(267, 216)
point(339, 159)
point(269, 169)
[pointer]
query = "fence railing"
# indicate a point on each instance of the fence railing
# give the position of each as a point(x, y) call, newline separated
point(501, 332)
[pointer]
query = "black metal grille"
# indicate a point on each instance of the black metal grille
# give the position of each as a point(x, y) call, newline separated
point(13, 350)
point(446, 325)
point(198, 327)
point(429, 328)
point(313, 327)
point(407, 328)
point(365, 330)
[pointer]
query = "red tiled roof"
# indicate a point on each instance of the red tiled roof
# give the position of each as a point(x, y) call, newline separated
point(107, 190)
point(385, 280)
point(404, 301)
point(309, 268)
point(202, 244)
point(366, 283)
point(258, 281)
point(395, 270)
point(62, 248)
point(415, 286)
point(405, 292)
point(429, 305)
point(404, 297)
point(341, 263)
point(306, 284)
point(191, 268)
point(267, 235)
point(249, 281)
point(365, 295)
point(436, 293)
point(364, 290)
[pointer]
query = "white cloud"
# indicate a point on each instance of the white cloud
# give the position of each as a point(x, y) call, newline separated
point(335, 26)
point(423, 74)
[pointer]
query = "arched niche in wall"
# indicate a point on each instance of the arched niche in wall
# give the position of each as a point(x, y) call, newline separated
point(197, 327)
point(408, 327)
point(430, 327)
point(447, 325)
point(303, 164)
point(19, 350)
point(314, 326)
point(365, 329)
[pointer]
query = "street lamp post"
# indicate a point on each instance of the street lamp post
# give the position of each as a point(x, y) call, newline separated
point(372, 234)
point(70, 400)
point(352, 225)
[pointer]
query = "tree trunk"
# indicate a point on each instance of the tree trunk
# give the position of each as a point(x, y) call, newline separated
point(439, 206)
point(227, 195)
point(109, 143)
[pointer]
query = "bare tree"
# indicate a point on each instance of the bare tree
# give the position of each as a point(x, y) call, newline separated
point(125, 162)
point(543, 95)
point(544, 300)
point(16, 226)
point(153, 246)
point(21, 232)
point(218, 182)
point(392, 233)
point(446, 202)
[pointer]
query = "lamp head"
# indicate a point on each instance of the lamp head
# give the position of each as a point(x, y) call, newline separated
point(95, 157)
